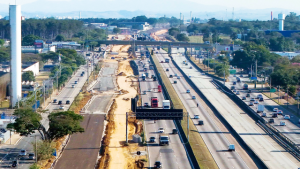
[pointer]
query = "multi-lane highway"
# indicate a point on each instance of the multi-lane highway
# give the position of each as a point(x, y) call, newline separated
point(290, 130)
point(267, 149)
point(174, 155)
point(216, 140)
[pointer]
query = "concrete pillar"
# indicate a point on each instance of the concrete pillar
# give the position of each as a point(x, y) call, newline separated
point(16, 64)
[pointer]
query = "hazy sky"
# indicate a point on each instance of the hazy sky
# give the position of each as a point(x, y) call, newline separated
point(149, 5)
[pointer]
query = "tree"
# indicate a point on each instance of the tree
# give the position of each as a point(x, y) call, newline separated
point(182, 37)
point(4, 56)
point(296, 59)
point(173, 31)
point(28, 76)
point(60, 38)
point(29, 40)
point(44, 149)
point(64, 123)
point(142, 18)
point(2, 42)
point(116, 30)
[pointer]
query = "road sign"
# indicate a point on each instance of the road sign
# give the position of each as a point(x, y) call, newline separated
point(159, 114)
point(253, 78)
point(232, 71)
point(272, 90)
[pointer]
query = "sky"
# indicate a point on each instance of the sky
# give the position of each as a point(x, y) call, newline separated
point(249, 8)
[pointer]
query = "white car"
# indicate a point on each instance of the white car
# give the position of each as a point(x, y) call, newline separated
point(161, 130)
point(280, 112)
point(255, 102)
point(275, 110)
point(188, 91)
point(286, 117)
point(196, 116)
point(238, 93)
point(149, 90)
point(178, 77)
point(252, 99)
point(23, 152)
point(282, 123)
point(61, 107)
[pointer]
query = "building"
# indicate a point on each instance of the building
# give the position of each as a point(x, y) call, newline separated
point(137, 25)
point(289, 55)
point(32, 49)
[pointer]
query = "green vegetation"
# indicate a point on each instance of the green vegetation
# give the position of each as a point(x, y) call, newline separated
point(29, 40)
point(61, 123)
point(179, 36)
point(60, 38)
point(196, 39)
point(1, 42)
point(116, 30)
point(28, 76)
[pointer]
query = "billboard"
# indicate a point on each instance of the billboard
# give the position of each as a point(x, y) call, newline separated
point(49, 42)
point(38, 43)
point(227, 48)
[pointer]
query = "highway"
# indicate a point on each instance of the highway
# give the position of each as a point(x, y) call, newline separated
point(67, 93)
point(216, 140)
point(173, 156)
point(291, 130)
point(273, 155)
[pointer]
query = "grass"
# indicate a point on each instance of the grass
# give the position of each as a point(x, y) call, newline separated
point(225, 37)
point(196, 39)
point(4, 104)
point(201, 152)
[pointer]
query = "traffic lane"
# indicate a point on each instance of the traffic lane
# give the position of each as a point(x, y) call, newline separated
point(209, 132)
point(83, 148)
point(290, 130)
point(100, 104)
point(258, 142)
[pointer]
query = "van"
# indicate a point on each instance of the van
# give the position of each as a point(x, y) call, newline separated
point(231, 147)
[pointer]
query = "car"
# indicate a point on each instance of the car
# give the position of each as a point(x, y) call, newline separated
point(174, 131)
point(191, 67)
point(188, 91)
point(186, 64)
point(146, 104)
point(259, 96)
point(31, 156)
point(167, 70)
point(275, 110)
point(232, 87)
point(237, 93)
point(175, 74)
point(251, 104)
point(23, 152)
point(157, 164)
point(55, 101)
point(171, 76)
point(241, 75)
point(178, 77)
point(274, 115)
point(75, 82)
point(175, 82)
point(255, 102)
point(83, 72)
point(271, 120)
point(156, 52)
point(193, 97)
point(282, 123)
point(2, 130)
point(247, 95)
point(144, 92)
point(234, 91)
point(73, 86)
point(234, 83)
point(286, 117)
point(149, 90)
point(249, 91)
point(59, 102)
point(234, 75)
point(14, 163)
point(280, 112)
point(161, 130)
point(68, 102)
point(61, 107)
point(252, 99)
point(152, 139)
point(196, 116)
point(264, 114)
point(261, 99)
point(244, 98)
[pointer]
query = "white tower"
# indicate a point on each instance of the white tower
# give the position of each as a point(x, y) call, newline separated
point(15, 63)
point(281, 18)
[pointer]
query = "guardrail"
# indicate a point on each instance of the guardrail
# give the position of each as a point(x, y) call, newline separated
point(184, 139)
point(242, 143)
point(290, 145)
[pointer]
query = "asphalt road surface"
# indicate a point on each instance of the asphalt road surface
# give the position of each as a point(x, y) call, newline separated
point(83, 148)
point(290, 130)
point(273, 155)
point(174, 155)
point(215, 139)
point(100, 104)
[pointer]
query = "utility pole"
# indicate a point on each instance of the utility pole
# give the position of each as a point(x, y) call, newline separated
point(255, 74)
point(278, 94)
point(287, 104)
point(126, 127)
point(35, 99)
point(207, 61)
point(270, 85)
point(44, 91)
point(87, 65)
point(36, 155)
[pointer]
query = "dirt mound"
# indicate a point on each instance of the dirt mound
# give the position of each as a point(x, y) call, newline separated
point(124, 91)
point(122, 74)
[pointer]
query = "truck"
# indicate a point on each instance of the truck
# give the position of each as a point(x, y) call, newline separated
point(167, 60)
point(159, 88)
point(154, 102)
point(260, 108)
point(163, 139)
point(143, 77)
point(166, 104)
point(158, 47)
point(245, 87)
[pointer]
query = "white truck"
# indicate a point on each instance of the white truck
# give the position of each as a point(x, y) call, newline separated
point(166, 104)
point(164, 139)
point(260, 108)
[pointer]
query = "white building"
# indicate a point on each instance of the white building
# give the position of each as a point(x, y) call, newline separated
point(289, 55)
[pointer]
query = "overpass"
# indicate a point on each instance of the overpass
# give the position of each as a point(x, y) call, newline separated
point(156, 43)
